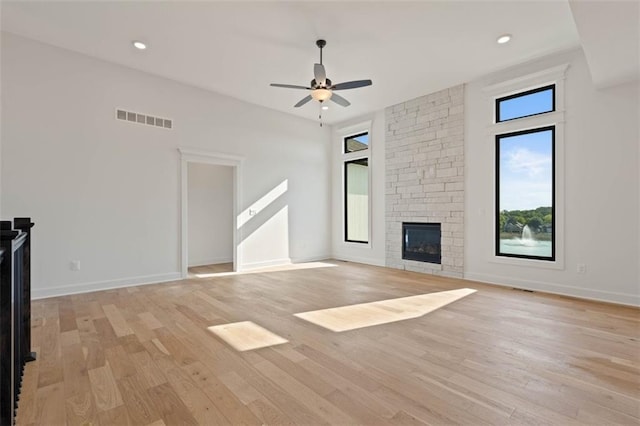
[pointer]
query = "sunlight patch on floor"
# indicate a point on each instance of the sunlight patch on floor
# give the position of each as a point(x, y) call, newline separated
point(279, 268)
point(246, 336)
point(362, 315)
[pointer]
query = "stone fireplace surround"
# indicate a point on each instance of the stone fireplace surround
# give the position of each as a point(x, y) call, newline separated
point(424, 176)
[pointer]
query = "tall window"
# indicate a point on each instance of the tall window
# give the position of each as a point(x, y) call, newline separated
point(525, 179)
point(356, 188)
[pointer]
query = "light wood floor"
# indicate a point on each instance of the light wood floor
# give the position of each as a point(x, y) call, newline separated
point(144, 355)
point(210, 269)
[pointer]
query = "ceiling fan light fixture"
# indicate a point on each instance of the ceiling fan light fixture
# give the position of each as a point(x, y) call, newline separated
point(321, 95)
point(325, 107)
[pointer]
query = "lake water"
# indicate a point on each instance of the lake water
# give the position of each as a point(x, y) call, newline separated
point(525, 247)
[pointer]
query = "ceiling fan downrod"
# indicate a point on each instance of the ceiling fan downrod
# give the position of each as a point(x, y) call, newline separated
point(321, 43)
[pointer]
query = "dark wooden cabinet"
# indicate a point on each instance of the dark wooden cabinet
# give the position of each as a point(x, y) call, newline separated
point(15, 312)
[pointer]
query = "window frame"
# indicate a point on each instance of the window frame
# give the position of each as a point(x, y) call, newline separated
point(522, 94)
point(344, 142)
point(344, 133)
point(498, 137)
point(345, 163)
point(514, 85)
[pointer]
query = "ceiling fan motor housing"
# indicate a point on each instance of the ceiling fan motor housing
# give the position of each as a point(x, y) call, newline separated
point(315, 85)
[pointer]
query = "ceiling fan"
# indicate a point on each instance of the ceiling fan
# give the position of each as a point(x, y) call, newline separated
point(322, 89)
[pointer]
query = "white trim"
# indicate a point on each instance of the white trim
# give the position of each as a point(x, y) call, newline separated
point(526, 123)
point(353, 129)
point(213, 261)
point(266, 264)
point(202, 156)
point(284, 261)
point(307, 259)
point(358, 259)
point(64, 290)
point(189, 155)
point(564, 290)
point(528, 81)
point(555, 75)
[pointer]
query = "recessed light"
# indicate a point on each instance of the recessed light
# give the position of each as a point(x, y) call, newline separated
point(139, 45)
point(504, 38)
point(324, 107)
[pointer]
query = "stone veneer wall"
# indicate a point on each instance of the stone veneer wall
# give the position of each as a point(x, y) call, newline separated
point(425, 176)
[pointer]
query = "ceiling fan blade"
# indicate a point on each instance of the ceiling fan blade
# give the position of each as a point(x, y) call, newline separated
point(340, 100)
point(319, 74)
point(290, 86)
point(303, 101)
point(351, 85)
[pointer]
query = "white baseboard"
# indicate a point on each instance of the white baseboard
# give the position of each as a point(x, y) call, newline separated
point(582, 293)
point(310, 258)
point(213, 261)
point(357, 259)
point(65, 290)
point(265, 264)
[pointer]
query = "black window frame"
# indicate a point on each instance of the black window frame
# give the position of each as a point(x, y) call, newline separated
point(346, 211)
point(526, 93)
point(552, 258)
point(344, 142)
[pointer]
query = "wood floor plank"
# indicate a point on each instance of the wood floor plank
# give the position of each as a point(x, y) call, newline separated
point(119, 324)
point(144, 355)
point(104, 388)
point(67, 315)
point(81, 409)
point(150, 320)
point(148, 372)
point(268, 413)
point(50, 356)
point(76, 378)
point(117, 416)
point(170, 407)
point(140, 407)
point(308, 397)
point(120, 362)
point(105, 332)
point(50, 405)
point(229, 405)
point(93, 350)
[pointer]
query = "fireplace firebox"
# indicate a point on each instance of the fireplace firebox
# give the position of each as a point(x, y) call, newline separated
point(421, 242)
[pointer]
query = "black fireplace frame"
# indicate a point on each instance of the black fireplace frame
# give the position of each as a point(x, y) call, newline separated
point(427, 258)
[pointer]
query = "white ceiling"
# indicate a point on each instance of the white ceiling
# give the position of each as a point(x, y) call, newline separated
point(238, 48)
point(610, 36)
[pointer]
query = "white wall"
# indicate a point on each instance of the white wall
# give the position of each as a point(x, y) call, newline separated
point(210, 212)
point(374, 253)
point(601, 188)
point(107, 192)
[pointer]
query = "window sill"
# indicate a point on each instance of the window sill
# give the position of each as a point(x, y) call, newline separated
point(352, 244)
point(531, 263)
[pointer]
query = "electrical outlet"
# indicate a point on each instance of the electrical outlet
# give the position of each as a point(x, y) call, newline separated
point(74, 265)
point(582, 268)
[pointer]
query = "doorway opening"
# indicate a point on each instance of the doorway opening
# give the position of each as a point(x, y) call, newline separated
point(210, 200)
point(209, 218)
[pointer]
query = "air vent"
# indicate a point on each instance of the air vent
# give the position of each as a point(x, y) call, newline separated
point(134, 117)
